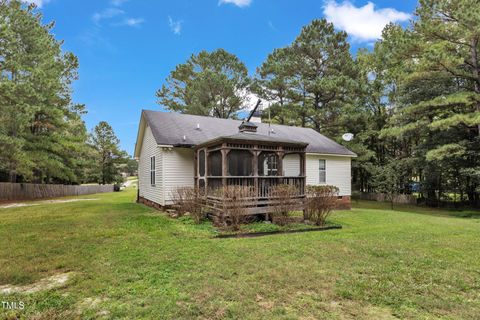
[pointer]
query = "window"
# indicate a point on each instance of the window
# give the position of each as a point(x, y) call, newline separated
point(239, 163)
point(322, 169)
point(268, 164)
point(152, 171)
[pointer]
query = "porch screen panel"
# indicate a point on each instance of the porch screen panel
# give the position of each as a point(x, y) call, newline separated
point(201, 163)
point(239, 163)
point(215, 164)
point(292, 165)
point(268, 164)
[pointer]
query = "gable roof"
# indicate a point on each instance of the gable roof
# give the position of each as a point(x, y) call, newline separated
point(169, 128)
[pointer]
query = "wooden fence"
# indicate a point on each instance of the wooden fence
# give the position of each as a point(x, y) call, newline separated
point(29, 191)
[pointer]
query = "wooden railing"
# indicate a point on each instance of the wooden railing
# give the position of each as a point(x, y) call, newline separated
point(263, 184)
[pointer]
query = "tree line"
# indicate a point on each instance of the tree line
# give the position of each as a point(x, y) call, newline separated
point(412, 102)
point(43, 137)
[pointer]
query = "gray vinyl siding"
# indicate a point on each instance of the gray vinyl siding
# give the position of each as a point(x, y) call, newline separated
point(338, 172)
point(149, 149)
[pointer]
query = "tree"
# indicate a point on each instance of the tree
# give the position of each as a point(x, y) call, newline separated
point(312, 81)
point(274, 84)
point(41, 131)
point(209, 84)
point(109, 157)
point(386, 181)
point(436, 122)
point(131, 167)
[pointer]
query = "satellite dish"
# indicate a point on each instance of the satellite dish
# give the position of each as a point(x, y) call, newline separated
point(347, 136)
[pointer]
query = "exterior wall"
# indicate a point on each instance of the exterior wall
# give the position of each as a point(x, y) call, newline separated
point(338, 172)
point(291, 165)
point(179, 170)
point(149, 149)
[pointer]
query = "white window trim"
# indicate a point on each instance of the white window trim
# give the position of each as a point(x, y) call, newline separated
point(153, 171)
point(322, 170)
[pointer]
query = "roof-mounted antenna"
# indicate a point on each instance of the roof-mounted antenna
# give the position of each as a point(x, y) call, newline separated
point(254, 109)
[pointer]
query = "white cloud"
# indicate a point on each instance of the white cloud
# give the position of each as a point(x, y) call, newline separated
point(238, 3)
point(362, 23)
point(175, 25)
point(133, 22)
point(106, 14)
point(38, 3)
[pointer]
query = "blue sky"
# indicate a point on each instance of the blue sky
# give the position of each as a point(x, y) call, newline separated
point(127, 48)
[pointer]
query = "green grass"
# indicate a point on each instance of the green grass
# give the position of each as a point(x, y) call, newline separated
point(140, 264)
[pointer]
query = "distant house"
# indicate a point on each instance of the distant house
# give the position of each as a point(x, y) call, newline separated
point(176, 150)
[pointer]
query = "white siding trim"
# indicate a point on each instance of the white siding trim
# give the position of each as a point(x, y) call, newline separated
point(338, 172)
point(149, 149)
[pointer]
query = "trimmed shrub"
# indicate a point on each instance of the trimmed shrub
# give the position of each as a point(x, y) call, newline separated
point(283, 196)
point(189, 200)
point(235, 202)
point(320, 202)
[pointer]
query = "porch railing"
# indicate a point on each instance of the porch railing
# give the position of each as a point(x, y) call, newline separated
point(263, 184)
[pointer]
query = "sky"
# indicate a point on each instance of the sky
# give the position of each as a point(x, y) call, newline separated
point(127, 48)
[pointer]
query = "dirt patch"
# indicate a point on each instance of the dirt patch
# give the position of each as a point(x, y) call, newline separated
point(265, 304)
point(55, 281)
point(92, 303)
point(28, 204)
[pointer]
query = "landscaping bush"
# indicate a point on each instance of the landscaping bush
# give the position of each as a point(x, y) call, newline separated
point(189, 199)
point(320, 202)
point(284, 197)
point(236, 200)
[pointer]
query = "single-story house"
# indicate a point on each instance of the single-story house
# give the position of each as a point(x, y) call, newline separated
point(177, 150)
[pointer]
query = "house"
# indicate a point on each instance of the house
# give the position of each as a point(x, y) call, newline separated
point(176, 150)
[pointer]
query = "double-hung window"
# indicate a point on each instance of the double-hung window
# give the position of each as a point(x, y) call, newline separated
point(152, 171)
point(322, 171)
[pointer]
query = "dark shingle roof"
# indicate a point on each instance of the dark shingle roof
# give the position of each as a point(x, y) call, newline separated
point(243, 136)
point(169, 128)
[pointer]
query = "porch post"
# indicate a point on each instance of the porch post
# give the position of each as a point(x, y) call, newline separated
point(195, 169)
point(280, 154)
point(224, 165)
point(255, 170)
point(303, 166)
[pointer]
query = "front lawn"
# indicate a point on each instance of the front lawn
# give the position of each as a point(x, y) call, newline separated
point(129, 261)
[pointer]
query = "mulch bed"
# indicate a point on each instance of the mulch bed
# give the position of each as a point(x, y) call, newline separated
point(267, 233)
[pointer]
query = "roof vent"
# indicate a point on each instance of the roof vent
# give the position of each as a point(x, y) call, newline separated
point(248, 127)
point(198, 126)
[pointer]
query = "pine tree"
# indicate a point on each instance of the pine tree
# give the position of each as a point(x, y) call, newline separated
point(36, 112)
point(209, 84)
point(108, 156)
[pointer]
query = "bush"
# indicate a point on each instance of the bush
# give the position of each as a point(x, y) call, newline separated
point(235, 202)
point(320, 202)
point(189, 199)
point(284, 199)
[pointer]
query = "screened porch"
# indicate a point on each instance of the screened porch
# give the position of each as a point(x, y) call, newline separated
point(249, 159)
